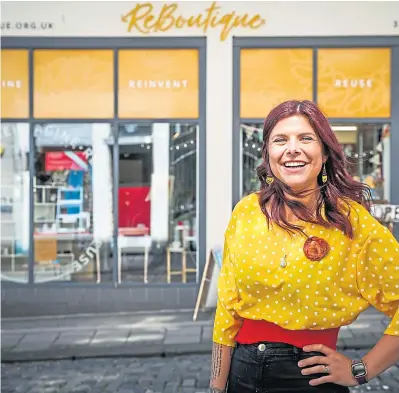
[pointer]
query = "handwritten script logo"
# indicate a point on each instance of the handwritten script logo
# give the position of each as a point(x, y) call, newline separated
point(145, 20)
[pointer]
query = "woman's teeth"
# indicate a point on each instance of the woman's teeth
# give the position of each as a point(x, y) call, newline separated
point(294, 164)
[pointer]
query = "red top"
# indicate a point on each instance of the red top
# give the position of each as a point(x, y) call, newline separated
point(253, 331)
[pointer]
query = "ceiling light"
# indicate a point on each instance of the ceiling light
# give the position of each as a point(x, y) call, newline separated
point(344, 128)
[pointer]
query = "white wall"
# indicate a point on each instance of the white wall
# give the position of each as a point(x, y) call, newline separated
point(103, 19)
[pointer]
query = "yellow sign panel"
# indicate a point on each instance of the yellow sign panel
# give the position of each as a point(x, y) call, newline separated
point(73, 84)
point(158, 83)
point(14, 84)
point(271, 76)
point(354, 82)
point(145, 20)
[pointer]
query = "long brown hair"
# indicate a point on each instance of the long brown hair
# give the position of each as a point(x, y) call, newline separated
point(339, 190)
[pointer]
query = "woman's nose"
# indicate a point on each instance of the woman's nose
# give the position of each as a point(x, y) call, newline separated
point(293, 147)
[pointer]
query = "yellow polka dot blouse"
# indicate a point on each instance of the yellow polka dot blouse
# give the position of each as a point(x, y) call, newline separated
point(329, 293)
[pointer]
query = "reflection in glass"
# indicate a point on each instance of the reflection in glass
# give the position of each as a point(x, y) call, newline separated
point(14, 151)
point(366, 148)
point(72, 203)
point(251, 147)
point(157, 203)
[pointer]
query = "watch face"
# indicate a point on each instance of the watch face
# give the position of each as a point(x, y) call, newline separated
point(358, 370)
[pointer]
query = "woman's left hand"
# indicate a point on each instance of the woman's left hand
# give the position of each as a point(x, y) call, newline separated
point(335, 365)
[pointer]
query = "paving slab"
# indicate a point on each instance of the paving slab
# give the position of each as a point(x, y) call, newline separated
point(140, 336)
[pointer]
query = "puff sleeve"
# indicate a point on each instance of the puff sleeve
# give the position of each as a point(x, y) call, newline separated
point(378, 274)
point(227, 322)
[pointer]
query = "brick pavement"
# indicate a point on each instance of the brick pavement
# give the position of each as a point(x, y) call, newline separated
point(176, 374)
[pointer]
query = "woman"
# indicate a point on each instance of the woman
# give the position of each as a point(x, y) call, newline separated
point(302, 258)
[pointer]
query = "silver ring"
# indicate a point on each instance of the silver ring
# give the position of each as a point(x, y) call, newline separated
point(326, 370)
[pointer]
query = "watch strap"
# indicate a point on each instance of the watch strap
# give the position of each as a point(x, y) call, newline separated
point(361, 379)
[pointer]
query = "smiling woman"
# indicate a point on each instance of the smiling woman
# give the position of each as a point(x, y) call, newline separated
point(302, 258)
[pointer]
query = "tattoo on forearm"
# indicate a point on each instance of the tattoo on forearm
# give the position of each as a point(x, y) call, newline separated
point(216, 390)
point(216, 361)
point(217, 351)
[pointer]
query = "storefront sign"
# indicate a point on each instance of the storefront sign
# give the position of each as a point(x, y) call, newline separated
point(26, 26)
point(158, 83)
point(354, 82)
point(73, 84)
point(14, 84)
point(271, 76)
point(146, 20)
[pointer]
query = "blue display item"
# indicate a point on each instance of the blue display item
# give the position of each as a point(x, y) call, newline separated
point(75, 180)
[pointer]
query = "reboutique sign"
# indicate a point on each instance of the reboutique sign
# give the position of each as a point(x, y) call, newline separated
point(146, 20)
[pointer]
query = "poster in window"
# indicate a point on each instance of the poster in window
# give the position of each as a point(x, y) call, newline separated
point(269, 77)
point(73, 84)
point(354, 82)
point(14, 84)
point(158, 83)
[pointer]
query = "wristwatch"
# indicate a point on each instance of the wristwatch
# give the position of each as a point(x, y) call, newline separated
point(359, 371)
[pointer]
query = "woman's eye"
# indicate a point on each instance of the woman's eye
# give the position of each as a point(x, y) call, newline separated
point(307, 138)
point(279, 140)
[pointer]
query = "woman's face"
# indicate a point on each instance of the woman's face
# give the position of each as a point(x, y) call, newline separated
point(295, 153)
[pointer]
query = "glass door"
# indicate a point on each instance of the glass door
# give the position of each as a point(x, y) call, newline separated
point(14, 151)
point(157, 199)
point(72, 203)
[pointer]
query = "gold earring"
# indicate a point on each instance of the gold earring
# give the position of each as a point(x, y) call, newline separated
point(269, 179)
point(324, 174)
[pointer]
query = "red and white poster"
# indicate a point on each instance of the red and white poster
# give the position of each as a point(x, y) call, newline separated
point(66, 160)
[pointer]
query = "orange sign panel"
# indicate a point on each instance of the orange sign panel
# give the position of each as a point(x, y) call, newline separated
point(271, 76)
point(73, 84)
point(158, 83)
point(354, 82)
point(14, 84)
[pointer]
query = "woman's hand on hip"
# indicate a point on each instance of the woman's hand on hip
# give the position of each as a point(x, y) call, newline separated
point(335, 365)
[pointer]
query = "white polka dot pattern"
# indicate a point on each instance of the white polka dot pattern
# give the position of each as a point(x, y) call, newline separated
point(304, 294)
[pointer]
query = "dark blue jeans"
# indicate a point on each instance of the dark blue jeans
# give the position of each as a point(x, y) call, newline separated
point(273, 370)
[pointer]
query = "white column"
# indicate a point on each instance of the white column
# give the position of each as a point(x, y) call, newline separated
point(160, 182)
point(101, 160)
point(219, 133)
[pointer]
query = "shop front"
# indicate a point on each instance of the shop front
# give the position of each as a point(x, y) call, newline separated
point(350, 79)
point(127, 137)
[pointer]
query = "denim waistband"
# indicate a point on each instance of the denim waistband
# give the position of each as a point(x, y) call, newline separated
point(275, 348)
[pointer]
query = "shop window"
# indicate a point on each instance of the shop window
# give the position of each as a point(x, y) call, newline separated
point(157, 200)
point(72, 203)
point(14, 149)
point(366, 148)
